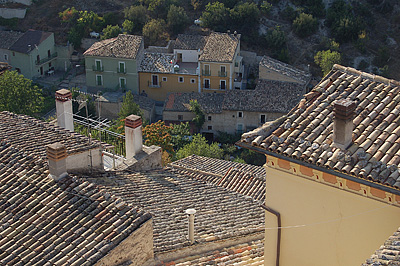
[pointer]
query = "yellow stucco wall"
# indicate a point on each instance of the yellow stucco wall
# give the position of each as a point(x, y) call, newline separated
point(339, 222)
point(214, 77)
point(171, 85)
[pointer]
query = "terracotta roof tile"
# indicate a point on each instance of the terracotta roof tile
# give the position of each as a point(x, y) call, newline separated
point(123, 46)
point(190, 42)
point(220, 47)
point(388, 253)
point(157, 63)
point(29, 41)
point(285, 69)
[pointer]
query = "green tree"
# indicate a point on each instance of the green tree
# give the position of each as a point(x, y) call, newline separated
point(265, 7)
point(180, 135)
point(69, 15)
point(199, 117)
point(199, 146)
point(18, 95)
point(177, 19)
point(154, 31)
point(138, 16)
point(128, 26)
point(276, 38)
point(158, 134)
point(248, 12)
point(111, 32)
point(215, 16)
point(326, 59)
point(128, 107)
point(305, 25)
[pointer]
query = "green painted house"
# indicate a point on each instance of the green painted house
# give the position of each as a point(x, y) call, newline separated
point(112, 64)
point(33, 54)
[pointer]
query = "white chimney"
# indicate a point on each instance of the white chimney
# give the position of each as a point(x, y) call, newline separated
point(57, 156)
point(64, 109)
point(190, 213)
point(343, 123)
point(133, 135)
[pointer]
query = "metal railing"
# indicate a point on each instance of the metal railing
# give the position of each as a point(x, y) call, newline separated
point(222, 73)
point(98, 68)
point(222, 87)
point(206, 72)
point(121, 70)
point(45, 60)
point(151, 85)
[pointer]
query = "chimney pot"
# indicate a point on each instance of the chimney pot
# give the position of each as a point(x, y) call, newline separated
point(64, 109)
point(57, 156)
point(343, 122)
point(133, 135)
point(190, 213)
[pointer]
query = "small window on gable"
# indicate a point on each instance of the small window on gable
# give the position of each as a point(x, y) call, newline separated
point(209, 127)
point(262, 119)
point(209, 118)
point(192, 81)
point(164, 79)
point(240, 114)
point(180, 79)
point(6, 57)
point(180, 117)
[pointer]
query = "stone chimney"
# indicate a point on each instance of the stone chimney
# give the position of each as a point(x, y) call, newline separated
point(64, 109)
point(343, 123)
point(133, 135)
point(57, 156)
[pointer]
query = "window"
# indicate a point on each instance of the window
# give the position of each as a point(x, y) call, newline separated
point(209, 118)
point(122, 83)
point(180, 117)
point(236, 64)
point(6, 57)
point(192, 81)
point(48, 53)
point(97, 66)
point(13, 53)
point(240, 114)
point(180, 79)
point(38, 58)
point(222, 85)
point(99, 80)
point(262, 119)
point(206, 83)
point(121, 67)
point(206, 70)
point(154, 81)
point(209, 127)
point(222, 72)
point(240, 128)
point(164, 79)
point(50, 65)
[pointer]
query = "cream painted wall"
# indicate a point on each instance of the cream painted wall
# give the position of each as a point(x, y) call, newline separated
point(341, 227)
point(81, 161)
point(266, 73)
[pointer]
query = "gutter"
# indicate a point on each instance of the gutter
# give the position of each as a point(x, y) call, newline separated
point(278, 241)
point(322, 169)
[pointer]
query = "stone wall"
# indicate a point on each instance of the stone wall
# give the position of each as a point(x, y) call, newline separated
point(149, 158)
point(12, 12)
point(135, 250)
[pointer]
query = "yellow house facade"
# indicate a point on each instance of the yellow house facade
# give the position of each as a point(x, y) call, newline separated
point(332, 178)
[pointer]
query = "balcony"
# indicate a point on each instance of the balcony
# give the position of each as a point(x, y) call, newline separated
point(222, 73)
point(206, 72)
point(152, 85)
point(121, 70)
point(45, 60)
point(222, 87)
point(98, 68)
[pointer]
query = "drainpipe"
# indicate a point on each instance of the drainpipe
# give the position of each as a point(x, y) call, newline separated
point(278, 242)
point(190, 213)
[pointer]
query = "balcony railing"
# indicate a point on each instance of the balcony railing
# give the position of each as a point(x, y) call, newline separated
point(151, 85)
point(206, 72)
point(223, 87)
point(121, 70)
point(45, 60)
point(222, 73)
point(98, 68)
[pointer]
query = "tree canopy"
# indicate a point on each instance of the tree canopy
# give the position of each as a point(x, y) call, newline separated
point(326, 59)
point(305, 25)
point(199, 118)
point(111, 32)
point(155, 31)
point(177, 19)
point(199, 146)
point(18, 95)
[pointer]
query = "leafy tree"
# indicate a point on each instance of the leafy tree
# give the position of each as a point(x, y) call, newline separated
point(248, 12)
point(215, 16)
point(326, 59)
point(252, 157)
point(129, 106)
point(276, 38)
point(111, 18)
point(111, 32)
point(138, 16)
point(177, 19)
point(69, 15)
point(314, 7)
point(265, 7)
point(158, 134)
point(305, 25)
point(155, 31)
point(289, 13)
point(18, 95)
point(128, 26)
point(180, 135)
point(199, 146)
point(199, 118)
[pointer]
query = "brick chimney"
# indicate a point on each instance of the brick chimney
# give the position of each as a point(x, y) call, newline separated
point(343, 123)
point(64, 109)
point(57, 156)
point(133, 135)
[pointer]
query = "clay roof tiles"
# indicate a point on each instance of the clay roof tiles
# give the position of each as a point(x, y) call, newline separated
point(220, 47)
point(29, 41)
point(123, 46)
point(388, 253)
point(47, 222)
point(285, 69)
point(190, 42)
point(305, 133)
point(157, 63)
point(8, 38)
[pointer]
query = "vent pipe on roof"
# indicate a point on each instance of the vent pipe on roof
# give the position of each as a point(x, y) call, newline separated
point(133, 135)
point(190, 213)
point(57, 156)
point(64, 109)
point(343, 123)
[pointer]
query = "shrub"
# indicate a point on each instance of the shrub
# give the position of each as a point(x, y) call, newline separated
point(305, 25)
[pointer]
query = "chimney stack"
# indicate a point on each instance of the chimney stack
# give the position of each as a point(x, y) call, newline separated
point(57, 156)
point(343, 123)
point(190, 213)
point(64, 109)
point(133, 135)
